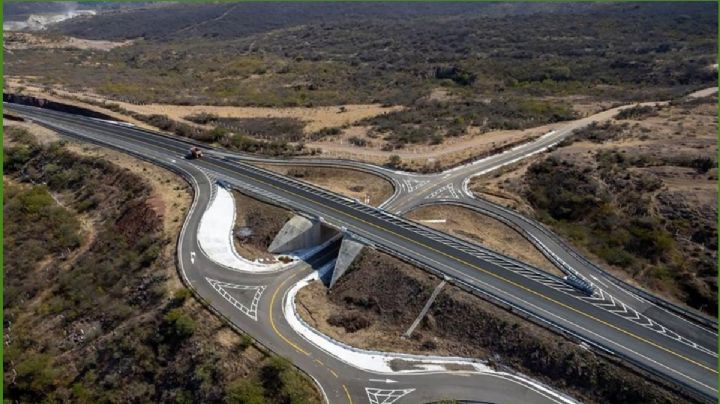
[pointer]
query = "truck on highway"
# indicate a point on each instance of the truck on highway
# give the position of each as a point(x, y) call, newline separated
point(195, 153)
point(580, 284)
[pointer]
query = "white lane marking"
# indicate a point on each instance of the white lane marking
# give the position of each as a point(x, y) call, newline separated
point(383, 380)
point(598, 281)
point(547, 313)
point(653, 361)
point(192, 257)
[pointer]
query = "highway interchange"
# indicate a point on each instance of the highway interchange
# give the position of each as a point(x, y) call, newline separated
point(665, 340)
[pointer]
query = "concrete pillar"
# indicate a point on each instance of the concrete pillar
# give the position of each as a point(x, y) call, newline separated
point(297, 234)
point(349, 250)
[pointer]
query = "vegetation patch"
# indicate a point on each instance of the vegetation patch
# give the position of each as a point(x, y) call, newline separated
point(637, 112)
point(91, 317)
point(610, 210)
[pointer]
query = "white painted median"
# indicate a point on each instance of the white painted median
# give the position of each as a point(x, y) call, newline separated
point(215, 236)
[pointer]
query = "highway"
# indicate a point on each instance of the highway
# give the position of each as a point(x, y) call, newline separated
point(414, 190)
point(672, 356)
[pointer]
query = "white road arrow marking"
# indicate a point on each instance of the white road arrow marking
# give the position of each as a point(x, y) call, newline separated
point(383, 380)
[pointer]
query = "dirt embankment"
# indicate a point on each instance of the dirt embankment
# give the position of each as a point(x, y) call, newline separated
point(365, 187)
point(256, 225)
point(314, 118)
point(377, 300)
point(484, 230)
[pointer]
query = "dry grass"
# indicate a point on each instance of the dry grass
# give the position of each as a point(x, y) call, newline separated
point(26, 40)
point(351, 183)
point(316, 118)
point(262, 220)
point(17, 85)
point(315, 308)
point(484, 230)
point(451, 151)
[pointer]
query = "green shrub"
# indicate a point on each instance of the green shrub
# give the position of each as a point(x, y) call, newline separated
point(177, 326)
point(245, 391)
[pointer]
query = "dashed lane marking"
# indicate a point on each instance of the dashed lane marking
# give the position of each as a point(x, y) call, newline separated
point(499, 277)
point(272, 321)
point(347, 393)
point(464, 262)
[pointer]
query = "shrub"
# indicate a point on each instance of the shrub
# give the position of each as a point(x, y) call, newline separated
point(202, 118)
point(177, 326)
point(358, 141)
point(245, 391)
point(394, 161)
point(637, 112)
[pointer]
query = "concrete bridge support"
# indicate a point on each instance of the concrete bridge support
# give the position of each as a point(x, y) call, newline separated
point(349, 250)
point(297, 234)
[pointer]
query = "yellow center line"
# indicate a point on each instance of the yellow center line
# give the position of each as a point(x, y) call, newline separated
point(499, 277)
point(333, 372)
point(347, 393)
point(272, 322)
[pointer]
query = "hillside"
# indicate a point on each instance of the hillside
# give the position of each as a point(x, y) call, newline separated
point(638, 194)
point(462, 72)
point(232, 20)
point(94, 309)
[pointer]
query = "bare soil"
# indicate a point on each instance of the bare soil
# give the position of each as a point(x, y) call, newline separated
point(452, 151)
point(18, 85)
point(256, 224)
point(365, 187)
point(377, 300)
point(484, 230)
point(316, 118)
point(26, 40)
point(416, 157)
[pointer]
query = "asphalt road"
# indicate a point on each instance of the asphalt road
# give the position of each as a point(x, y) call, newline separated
point(413, 190)
point(538, 296)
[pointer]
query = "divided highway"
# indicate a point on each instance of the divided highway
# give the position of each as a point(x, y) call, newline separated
point(673, 356)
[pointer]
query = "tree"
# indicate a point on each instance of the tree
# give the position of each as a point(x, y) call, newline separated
point(394, 161)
